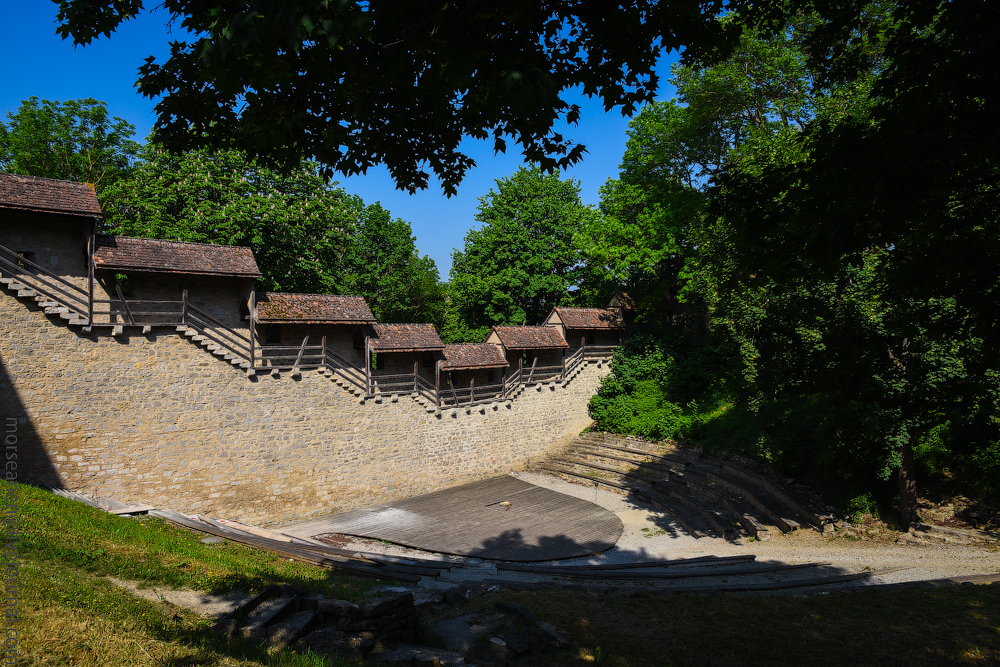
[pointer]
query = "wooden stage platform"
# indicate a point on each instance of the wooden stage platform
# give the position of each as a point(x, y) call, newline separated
point(475, 520)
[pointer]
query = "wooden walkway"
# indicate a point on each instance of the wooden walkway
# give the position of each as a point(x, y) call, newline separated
point(469, 520)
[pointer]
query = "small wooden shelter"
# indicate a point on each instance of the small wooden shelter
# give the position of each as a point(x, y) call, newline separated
point(537, 351)
point(405, 356)
point(155, 282)
point(471, 372)
point(46, 231)
point(587, 327)
point(311, 327)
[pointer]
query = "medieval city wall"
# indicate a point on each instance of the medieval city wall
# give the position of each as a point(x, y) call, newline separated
point(156, 419)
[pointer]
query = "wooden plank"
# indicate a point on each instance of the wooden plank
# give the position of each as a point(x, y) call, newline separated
point(135, 509)
point(469, 520)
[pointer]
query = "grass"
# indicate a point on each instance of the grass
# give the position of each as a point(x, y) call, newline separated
point(955, 625)
point(73, 615)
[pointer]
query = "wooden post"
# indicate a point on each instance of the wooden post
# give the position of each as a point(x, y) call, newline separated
point(121, 297)
point(454, 396)
point(437, 382)
point(302, 348)
point(322, 361)
point(520, 368)
point(368, 363)
point(253, 322)
point(472, 390)
point(531, 374)
point(416, 369)
point(91, 243)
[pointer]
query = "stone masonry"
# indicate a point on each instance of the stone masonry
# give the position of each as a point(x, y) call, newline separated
point(156, 419)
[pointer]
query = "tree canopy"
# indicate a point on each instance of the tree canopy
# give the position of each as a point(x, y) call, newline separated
point(353, 84)
point(307, 234)
point(73, 141)
point(523, 260)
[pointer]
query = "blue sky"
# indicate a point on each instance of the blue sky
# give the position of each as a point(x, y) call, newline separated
point(39, 63)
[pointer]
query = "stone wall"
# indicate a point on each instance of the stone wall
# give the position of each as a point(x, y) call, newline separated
point(156, 419)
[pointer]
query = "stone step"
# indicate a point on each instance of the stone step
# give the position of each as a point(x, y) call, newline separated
point(15, 286)
point(255, 624)
point(26, 292)
point(53, 310)
point(281, 635)
point(7, 281)
point(80, 321)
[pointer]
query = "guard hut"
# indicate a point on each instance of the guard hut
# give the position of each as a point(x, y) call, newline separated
point(471, 372)
point(404, 358)
point(46, 231)
point(626, 306)
point(536, 352)
point(150, 282)
point(312, 331)
point(596, 330)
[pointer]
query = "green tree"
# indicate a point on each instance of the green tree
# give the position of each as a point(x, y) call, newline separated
point(383, 265)
point(73, 141)
point(353, 84)
point(523, 260)
point(298, 224)
point(917, 176)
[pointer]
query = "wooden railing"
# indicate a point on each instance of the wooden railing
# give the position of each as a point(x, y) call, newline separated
point(285, 357)
point(599, 350)
point(572, 361)
point(141, 312)
point(351, 373)
point(221, 334)
point(396, 383)
point(471, 395)
point(43, 281)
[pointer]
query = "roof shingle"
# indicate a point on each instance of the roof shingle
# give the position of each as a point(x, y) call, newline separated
point(317, 308)
point(529, 338)
point(155, 256)
point(405, 338)
point(589, 318)
point(48, 195)
point(472, 355)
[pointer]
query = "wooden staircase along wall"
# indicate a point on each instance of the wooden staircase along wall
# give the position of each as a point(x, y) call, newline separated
point(705, 496)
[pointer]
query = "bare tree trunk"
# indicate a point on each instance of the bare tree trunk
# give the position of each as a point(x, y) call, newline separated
point(907, 486)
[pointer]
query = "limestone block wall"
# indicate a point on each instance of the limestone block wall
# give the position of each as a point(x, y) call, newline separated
point(156, 419)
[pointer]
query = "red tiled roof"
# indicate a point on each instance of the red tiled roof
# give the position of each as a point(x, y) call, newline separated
point(155, 256)
point(47, 195)
point(472, 355)
point(589, 318)
point(529, 338)
point(319, 308)
point(405, 338)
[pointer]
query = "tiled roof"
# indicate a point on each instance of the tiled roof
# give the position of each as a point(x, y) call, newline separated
point(589, 318)
point(31, 193)
point(129, 254)
point(405, 338)
point(529, 338)
point(472, 355)
point(320, 308)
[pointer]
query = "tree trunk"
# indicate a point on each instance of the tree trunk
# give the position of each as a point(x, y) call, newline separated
point(907, 486)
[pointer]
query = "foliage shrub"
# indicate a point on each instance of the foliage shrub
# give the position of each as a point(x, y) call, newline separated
point(657, 387)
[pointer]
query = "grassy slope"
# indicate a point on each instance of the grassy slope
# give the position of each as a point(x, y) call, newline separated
point(75, 616)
